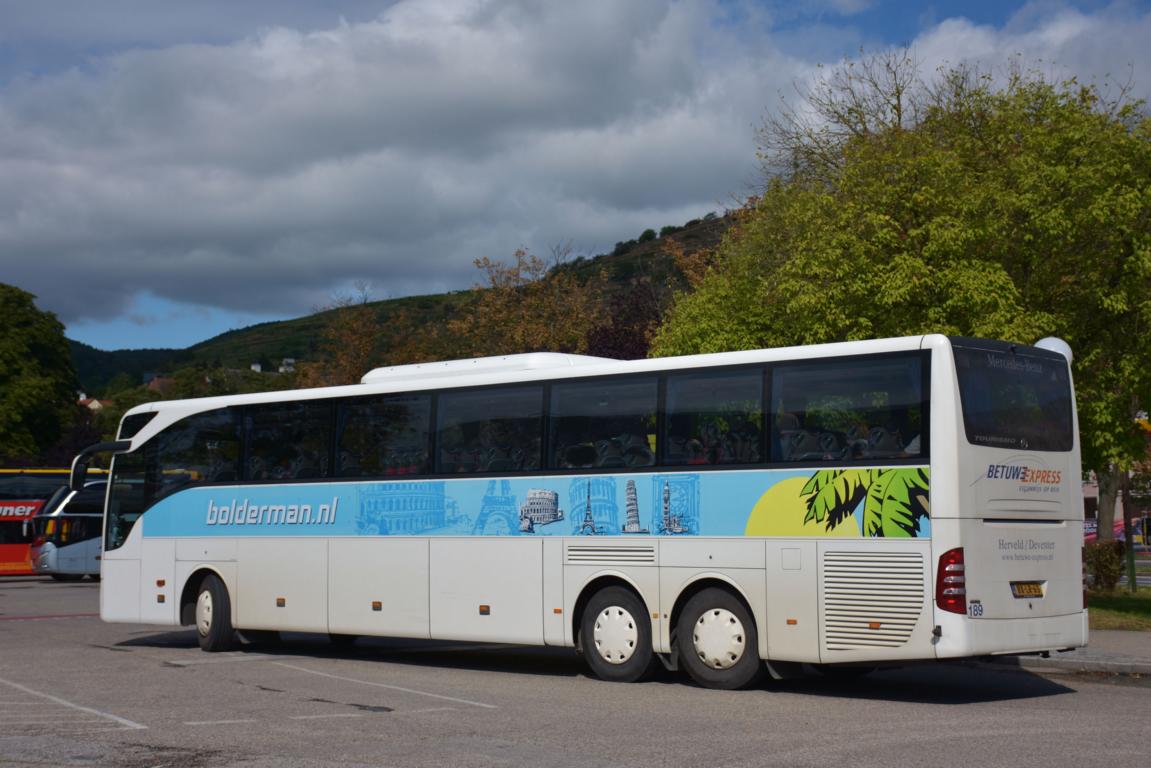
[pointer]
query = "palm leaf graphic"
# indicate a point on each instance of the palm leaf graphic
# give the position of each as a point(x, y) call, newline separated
point(894, 500)
point(833, 494)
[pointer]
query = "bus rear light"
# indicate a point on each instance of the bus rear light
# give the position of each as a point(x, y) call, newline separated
point(951, 582)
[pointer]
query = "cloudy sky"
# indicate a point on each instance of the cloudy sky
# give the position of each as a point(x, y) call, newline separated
point(170, 169)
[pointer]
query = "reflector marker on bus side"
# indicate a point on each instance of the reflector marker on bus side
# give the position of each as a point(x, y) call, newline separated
point(377, 605)
point(281, 602)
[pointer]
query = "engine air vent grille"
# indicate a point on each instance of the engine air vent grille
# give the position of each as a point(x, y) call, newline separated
point(608, 554)
point(871, 599)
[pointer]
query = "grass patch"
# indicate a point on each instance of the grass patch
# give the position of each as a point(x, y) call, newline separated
point(1120, 609)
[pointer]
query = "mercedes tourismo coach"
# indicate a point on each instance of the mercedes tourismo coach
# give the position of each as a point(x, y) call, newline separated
point(843, 504)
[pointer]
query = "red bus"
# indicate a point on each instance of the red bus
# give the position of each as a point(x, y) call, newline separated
point(22, 493)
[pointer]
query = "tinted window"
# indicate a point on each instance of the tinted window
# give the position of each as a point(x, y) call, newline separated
point(490, 430)
point(134, 485)
point(861, 409)
point(714, 418)
point(288, 441)
point(603, 423)
point(1015, 400)
point(198, 449)
point(14, 532)
point(133, 424)
point(384, 436)
point(89, 501)
point(204, 448)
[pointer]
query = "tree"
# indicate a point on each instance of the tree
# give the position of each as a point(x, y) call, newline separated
point(954, 206)
point(37, 382)
point(528, 306)
point(349, 345)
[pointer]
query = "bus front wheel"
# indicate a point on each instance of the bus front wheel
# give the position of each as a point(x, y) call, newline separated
point(717, 642)
point(214, 615)
point(615, 636)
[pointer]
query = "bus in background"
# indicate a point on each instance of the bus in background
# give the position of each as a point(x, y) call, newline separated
point(843, 505)
point(22, 494)
point(66, 533)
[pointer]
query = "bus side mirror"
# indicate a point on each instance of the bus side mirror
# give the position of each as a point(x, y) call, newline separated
point(80, 464)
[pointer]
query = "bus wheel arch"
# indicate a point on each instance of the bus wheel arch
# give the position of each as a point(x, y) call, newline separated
point(206, 604)
point(716, 613)
point(611, 629)
point(191, 591)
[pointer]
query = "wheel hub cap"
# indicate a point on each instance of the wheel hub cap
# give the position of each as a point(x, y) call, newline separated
point(615, 635)
point(719, 639)
point(204, 613)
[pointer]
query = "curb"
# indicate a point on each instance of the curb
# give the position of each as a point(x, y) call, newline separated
point(1118, 666)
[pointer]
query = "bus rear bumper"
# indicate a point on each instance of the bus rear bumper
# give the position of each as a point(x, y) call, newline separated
point(962, 637)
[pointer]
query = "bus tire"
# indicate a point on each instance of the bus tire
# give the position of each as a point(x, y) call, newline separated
point(214, 615)
point(615, 636)
point(717, 641)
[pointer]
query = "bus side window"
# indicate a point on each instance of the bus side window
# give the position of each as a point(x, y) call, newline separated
point(853, 410)
point(384, 436)
point(714, 418)
point(489, 430)
point(203, 448)
point(289, 441)
point(606, 423)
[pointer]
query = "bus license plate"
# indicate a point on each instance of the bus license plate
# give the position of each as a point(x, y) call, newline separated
point(1027, 588)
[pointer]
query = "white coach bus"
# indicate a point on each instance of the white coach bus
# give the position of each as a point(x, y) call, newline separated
point(845, 504)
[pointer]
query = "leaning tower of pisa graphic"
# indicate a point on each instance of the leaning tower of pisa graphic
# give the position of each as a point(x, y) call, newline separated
point(631, 504)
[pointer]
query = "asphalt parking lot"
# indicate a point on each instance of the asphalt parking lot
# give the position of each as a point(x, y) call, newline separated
point(77, 692)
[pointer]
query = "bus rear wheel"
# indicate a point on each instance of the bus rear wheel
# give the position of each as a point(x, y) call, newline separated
point(214, 615)
point(615, 636)
point(717, 642)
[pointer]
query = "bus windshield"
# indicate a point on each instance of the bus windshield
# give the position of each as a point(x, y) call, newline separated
point(1015, 399)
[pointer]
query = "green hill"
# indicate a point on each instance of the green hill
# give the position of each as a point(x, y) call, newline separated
point(299, 338)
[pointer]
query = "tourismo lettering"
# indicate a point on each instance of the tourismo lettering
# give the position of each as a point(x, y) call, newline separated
point(244, 513)
point(1023, 474)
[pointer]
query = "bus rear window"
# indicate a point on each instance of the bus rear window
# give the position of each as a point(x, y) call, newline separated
point(1019, 400)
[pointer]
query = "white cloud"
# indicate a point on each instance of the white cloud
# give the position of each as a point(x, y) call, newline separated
point(259, 174)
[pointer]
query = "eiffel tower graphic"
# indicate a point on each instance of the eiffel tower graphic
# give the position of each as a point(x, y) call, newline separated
point(498, 511)
point(587, 528)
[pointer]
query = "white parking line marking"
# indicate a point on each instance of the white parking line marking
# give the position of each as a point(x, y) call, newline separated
point(216, 722)
point(319, 717)
point(42, 721)
point(385, 685)
point(65, 703)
